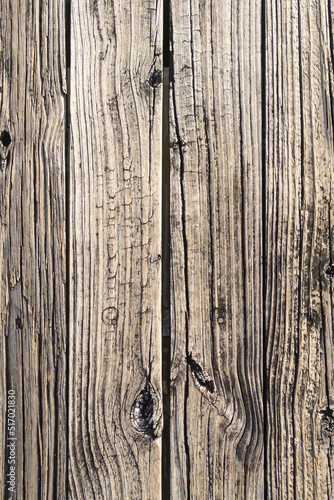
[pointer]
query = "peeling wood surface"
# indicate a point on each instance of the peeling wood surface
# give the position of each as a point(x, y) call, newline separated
point(216, 251)
point(32, 247)
point(300, 245)
point(115, 400)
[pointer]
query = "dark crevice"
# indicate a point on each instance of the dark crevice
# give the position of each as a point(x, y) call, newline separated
point(242, 356)
point(41, 387)
point(264, 244)
point(166, 34)
point(67, 224)
point(296, 354)
point(165, 299)
point(331, 42)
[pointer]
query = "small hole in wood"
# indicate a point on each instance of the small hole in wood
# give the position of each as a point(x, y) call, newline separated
point(5, 138)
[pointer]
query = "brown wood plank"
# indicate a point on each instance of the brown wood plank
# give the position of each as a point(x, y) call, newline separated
point(115, 250)
point(32, 249)
point(299, 294)
point(216, 251)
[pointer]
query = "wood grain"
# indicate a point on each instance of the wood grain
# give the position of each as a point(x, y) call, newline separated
point(115, 401)
point(299, 212)
point(32, 243)
point(216, 251)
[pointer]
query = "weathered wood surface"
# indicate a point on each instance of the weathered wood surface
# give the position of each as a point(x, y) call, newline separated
point(240, 71)
point(216, 251)
point(32, 243)
point(299, 212)
point(115, 250)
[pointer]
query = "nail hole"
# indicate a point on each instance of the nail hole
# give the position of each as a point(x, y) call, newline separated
point(155, 78)
point(5, 138)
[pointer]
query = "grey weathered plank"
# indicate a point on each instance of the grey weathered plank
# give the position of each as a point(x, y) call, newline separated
point(115, 249)
point(32, 243)
point(216, 251)
point(299, 212)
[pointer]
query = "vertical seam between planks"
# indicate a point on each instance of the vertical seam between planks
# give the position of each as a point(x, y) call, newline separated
point(166, 271)
point(264, 244)
point(67, 225)
point(165, 245)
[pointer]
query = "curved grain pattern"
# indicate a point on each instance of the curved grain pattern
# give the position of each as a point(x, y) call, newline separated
point(299, 312)
point(115, 220)
point(216, 251)
point(32, 243)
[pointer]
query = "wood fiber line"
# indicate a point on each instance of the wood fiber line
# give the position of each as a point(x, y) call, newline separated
point(216, 251)
point(115, 418)
point(32, 246)
point(299, 212)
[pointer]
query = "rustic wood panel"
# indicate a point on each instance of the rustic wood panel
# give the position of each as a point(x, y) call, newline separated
point(299, 212)
point(216, 251)
point(32, 243)
point(115, 402)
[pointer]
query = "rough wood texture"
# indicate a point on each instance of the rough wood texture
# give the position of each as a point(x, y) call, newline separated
point(299, 212)
point(115, 404)
point(216, 251)
point(32, 243)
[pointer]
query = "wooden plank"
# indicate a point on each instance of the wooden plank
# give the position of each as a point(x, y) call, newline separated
point(32, 243)
point(115, 401)
point(299, 291)
point(216, 251)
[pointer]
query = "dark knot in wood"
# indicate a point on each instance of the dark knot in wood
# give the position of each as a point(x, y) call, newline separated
point(327, 421)
point(155, 78)
point(5, 138)
point(19, 323)
point(329, 271)
point(146, 413)
point(5, 146)
point(110, 316)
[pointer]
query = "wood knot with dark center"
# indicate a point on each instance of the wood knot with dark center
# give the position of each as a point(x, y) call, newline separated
point(110, 316)
point(155, 78)
point(146, 412)
point(201, 379)
point(329, 272)
point(5, 138)
point(5, 147)
point(327, 421)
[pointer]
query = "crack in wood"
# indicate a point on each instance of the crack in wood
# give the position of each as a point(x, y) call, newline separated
point(202, 381)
